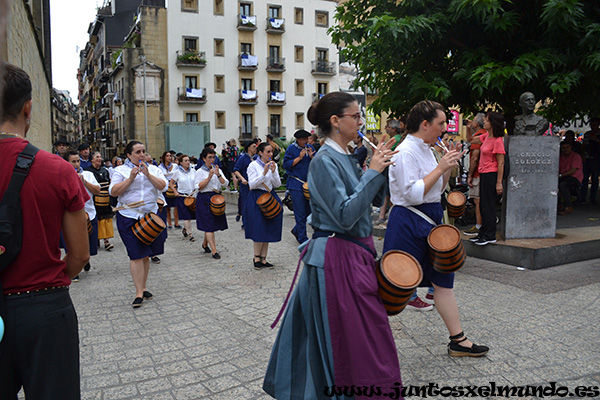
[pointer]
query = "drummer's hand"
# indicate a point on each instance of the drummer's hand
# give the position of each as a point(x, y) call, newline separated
point(216, 169)
point(267, 167)
point(176, 193)
point(273, 165)
point(211, 172)
point(144, 169)
point(382, 156)
point(134, 172)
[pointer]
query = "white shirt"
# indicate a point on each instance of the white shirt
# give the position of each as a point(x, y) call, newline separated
point(168, 173)
point(256, 177)
point(414, 161)
point(89, 205)
point(185, 181)
point(335, 146)
point(140, 190)
point(213, 185)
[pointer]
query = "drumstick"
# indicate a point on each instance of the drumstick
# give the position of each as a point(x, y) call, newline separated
point(363, 137)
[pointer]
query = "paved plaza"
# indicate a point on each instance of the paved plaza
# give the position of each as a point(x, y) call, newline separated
point(206, 333)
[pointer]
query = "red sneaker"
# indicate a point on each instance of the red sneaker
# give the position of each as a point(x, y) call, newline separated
point(429, 299)
point(419, 305)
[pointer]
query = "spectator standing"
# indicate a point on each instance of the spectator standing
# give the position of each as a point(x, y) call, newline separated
point(84, 155)
point(570, 168)
point(40, 348)
point(473, 178)
point(591, 160)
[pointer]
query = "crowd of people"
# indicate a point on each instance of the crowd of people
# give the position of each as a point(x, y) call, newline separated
point(335, 328)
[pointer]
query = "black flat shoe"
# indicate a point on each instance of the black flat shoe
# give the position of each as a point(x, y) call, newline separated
point(147, 295)
point(216, 256)
point(258, 265)
point(207, 249)
point(185, 234)
point(87, 267)
point(456, 350)
point(137, 303)
point(108, 246)
point(155, 260)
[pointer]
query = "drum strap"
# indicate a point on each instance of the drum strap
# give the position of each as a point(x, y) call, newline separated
point(421, 214)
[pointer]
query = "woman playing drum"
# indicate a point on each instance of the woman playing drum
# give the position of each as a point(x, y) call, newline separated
point(263, 178)
point(168, 168)
point(184, 178)
point(416, 184)
point(133, 182)
point(335, 330)
point(102, 202)
point(209, 179)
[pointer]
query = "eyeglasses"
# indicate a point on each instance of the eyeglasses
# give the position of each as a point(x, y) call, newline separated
point(357, 117)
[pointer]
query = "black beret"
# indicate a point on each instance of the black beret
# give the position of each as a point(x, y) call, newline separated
point(301, 134)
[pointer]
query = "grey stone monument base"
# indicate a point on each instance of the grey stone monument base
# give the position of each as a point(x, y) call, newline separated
point(531, 190)
point(570, 245)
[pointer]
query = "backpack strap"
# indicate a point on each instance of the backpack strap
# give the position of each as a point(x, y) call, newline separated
point(22, 166)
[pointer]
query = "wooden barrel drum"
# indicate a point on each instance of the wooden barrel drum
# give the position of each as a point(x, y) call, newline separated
point(160, 203)
point(268, 205)
point(89, 224)
point(457, 202)
point(170, 193)
point(305, 191)
point(446, 249)
point(398, 275)
point(217, 205)
point(148, 228)
point(190, 203)
point(102, 199)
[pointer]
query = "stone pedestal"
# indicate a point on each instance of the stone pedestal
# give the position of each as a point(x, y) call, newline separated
point(531, 190)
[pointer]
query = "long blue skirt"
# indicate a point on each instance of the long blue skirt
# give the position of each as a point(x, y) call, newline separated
point(184, 213)
point(257, 227)
point(408, 232)
point(206, 221)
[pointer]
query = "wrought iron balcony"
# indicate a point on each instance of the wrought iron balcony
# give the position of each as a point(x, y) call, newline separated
point(246, 22)
point(248, 97)
point(191, 96)
point(191, 58)
point(323, 67)
point(275, 25)
point(275, 98)
point(247, 62)
point(275, 64)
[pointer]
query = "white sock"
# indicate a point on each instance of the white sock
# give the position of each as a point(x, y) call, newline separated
point(478, 226)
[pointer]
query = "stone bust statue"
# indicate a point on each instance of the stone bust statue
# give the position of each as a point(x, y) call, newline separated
point(529, 123)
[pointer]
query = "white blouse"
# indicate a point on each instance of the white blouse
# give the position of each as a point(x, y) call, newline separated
point(185, 181)
point(413, 162)
point(213, 185)
point(140, 190)
point(256, 177)
point(168, 172)
point(89, 205)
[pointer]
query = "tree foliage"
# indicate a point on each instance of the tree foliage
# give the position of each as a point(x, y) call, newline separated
point(475, 54)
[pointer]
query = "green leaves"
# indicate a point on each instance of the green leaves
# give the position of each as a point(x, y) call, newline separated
point(473, 52)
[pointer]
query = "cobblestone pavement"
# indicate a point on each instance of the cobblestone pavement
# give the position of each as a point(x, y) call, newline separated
point(206, 334)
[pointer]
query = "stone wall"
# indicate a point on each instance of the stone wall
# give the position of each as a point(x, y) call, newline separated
point(24, 50)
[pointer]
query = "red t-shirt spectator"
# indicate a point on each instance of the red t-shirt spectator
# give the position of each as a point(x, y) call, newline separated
point(487, 152)
point(51, 188)
point(573, 160)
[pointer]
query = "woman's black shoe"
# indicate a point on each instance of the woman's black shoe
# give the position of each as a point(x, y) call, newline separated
point(456, 350)
point(147, 295)
point(216, 256)
point(207, 249)
point(137, 303)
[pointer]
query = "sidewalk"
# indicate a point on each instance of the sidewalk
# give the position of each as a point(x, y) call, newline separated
point(206, 334)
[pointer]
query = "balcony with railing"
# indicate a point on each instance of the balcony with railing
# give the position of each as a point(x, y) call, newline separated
point(248, 132)
point(275, 98)
point(190, 58)
point(248, 97)
point(323, 67)
point(275, 25)
point(247, 62)
point(275, 64)
point(276, 131)
point(246, 22)
point(191, 96)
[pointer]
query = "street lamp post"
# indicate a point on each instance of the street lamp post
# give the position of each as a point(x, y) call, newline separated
point(143, 58)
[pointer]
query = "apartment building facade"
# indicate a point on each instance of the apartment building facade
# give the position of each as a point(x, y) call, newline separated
point(249, 68)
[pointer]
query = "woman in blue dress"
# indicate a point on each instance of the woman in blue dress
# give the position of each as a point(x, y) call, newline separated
point(241, 171)
point(335, 330)
point(263, 177)
point(209, 180)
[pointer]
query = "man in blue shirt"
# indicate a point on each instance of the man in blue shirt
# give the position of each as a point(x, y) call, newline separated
point(84, 155)
point(296, 161)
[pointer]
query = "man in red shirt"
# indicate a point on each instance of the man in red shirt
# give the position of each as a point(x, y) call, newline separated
point(473, 177)
point(570, 175)
point(40, 348)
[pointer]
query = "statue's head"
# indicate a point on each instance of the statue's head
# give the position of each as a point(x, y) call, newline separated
point(527, 102)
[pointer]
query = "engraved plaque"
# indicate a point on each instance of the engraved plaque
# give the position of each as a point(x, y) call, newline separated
point(531, 190)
